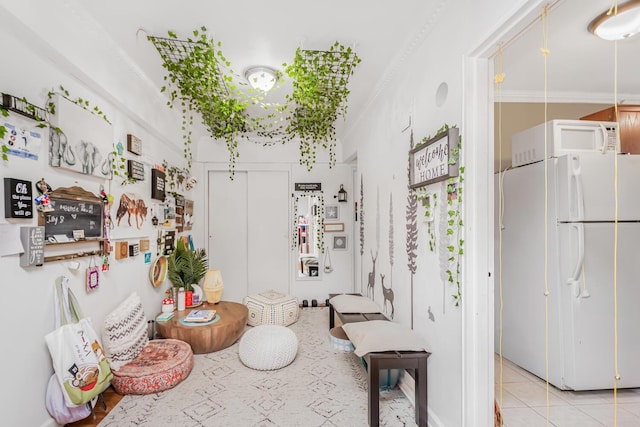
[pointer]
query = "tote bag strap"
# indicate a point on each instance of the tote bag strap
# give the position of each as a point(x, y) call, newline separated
point(66, 306)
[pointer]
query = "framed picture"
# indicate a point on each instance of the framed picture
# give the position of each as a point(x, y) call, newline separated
point(435, 160)
point(340, 243)
point(333, 227)
point(331, 212)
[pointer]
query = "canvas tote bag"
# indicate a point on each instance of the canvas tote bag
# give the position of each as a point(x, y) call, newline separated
point(78, 359)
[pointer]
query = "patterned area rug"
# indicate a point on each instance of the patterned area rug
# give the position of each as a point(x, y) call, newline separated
point(322, 387)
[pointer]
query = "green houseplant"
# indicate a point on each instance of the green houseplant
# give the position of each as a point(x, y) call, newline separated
point(186, 267)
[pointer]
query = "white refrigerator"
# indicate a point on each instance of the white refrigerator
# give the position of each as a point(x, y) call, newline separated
point(579, 252)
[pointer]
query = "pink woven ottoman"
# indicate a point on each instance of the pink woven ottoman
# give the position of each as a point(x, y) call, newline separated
point(161, 365)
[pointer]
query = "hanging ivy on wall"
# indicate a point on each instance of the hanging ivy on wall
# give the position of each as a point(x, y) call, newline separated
point(3, 130)
point(451, 222)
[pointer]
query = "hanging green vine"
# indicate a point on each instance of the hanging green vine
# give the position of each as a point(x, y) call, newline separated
point(429, 201)
point(3, 130)
point(80, 102)
point(453, 239)
point(454, 221)
point(199, 79)
point(319, 97)
point(119, 165)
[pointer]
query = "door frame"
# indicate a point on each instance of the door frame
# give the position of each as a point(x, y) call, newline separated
point(478, 284)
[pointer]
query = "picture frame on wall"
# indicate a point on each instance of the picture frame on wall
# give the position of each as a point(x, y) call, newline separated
point(339, 242)
point(332, 212)
point(335, 227)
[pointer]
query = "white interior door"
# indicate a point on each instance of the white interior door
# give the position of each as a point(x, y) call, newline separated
point(228, 216)
point(268, 231)
point(249, 231)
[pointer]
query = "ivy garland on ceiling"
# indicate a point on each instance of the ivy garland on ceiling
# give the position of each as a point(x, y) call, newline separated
point(200, 81)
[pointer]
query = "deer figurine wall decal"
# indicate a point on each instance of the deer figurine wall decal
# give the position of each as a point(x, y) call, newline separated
point(387, 293)
point(372, 276)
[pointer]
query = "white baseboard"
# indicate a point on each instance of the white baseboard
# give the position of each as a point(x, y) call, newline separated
point(50, 423)
point(408, 386)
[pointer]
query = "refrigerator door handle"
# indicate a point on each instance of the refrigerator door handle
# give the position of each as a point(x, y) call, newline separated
point(576, 179)
point(575, 278)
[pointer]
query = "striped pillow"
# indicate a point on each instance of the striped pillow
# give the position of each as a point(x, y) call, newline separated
point(124, 332)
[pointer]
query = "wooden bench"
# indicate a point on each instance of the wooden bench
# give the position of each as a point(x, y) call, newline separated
point(414, 362)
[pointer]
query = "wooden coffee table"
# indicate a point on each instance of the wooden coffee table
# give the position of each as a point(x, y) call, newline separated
point(211, 337)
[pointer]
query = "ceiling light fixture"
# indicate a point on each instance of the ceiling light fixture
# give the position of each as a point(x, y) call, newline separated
point(617, 26)
point(261, 78)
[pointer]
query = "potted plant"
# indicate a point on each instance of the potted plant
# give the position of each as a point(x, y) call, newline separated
point(186, 267)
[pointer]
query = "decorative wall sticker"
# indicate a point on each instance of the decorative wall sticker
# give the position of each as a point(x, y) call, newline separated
point(134, 206)
point(361, 234)
point(372, 276)
point(412, 228)
point(430, 314)
point(391, 244)
point(387, 293)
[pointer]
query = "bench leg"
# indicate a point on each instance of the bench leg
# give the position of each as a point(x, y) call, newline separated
point(374, 392)
point(421, 393)
point(331, 317)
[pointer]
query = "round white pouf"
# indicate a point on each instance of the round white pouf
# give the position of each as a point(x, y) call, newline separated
point(268, 347)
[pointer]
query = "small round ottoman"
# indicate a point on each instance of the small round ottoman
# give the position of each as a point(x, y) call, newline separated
point(271, 308)
point(268, 347)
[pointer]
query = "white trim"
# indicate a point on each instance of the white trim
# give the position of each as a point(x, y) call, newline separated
point(478, 151)
point(477, 305)
point(407, 385)
point(50, 423)
point(571, 97)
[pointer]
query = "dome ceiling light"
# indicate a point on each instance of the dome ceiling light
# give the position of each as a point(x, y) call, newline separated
point(617, 23)
point(261, 78)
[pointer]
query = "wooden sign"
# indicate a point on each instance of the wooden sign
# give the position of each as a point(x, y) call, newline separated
point(308, 186)
point(74, 209)
point(33, 243)
point(134, 144)
point(18, 198)
point(435, 160)
point(122, 250)
point(134, 249)
point(157, 184)
point(169, 240)
point(144, 245)
point(135, 170)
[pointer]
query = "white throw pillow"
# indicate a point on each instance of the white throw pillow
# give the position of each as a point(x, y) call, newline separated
point(354, 304)
point(382, 335)
point(124, 332)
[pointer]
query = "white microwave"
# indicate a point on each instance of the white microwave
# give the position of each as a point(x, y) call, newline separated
point(563, 136)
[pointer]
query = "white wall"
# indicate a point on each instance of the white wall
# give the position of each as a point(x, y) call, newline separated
point(34, 65)
point(434, 56)
point(285, 157)
point(55, 46)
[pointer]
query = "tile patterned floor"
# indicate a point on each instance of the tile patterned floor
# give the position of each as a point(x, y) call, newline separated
point(524, 403)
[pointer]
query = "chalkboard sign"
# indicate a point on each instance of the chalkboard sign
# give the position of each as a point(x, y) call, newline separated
point(76, 215)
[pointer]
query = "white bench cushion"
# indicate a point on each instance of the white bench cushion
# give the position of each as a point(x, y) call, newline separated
point(353, 304)
point(382, 335)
